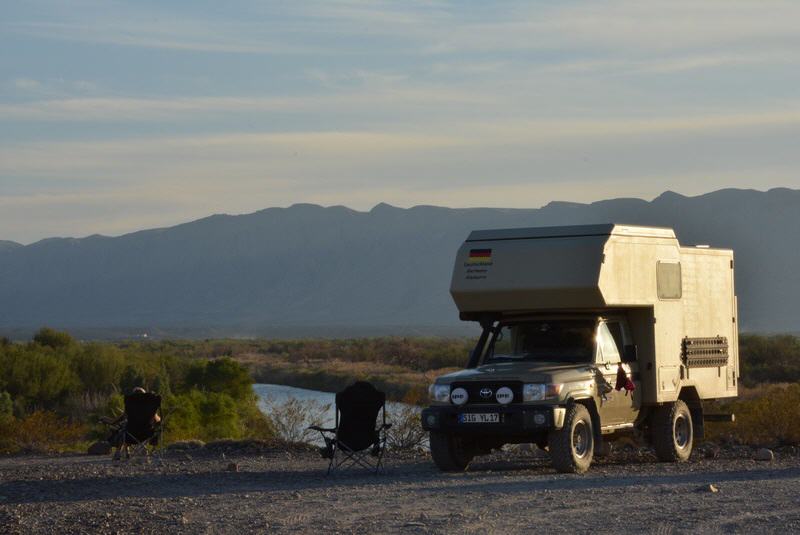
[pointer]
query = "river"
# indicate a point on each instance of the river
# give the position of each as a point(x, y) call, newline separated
point(279, 394)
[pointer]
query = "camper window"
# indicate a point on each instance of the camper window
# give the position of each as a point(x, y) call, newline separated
point(668, 280)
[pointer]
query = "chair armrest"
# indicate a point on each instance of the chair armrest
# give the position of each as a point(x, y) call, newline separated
point(321, 429)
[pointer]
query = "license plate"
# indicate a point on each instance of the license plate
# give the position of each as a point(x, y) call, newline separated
point(479, 418)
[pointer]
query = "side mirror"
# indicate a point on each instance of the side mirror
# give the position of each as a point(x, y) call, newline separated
point(630, 353)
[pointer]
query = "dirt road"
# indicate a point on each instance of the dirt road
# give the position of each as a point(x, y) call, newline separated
point(282, 492)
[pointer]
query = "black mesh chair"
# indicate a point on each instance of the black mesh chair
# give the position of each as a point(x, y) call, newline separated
point(139, 427)
point(357, 439)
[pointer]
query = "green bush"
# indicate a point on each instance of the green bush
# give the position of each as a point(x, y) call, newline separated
point(58, 382)
point(212, 416)
point(6, 405)
point(36, 376)
point(99, 367)
point(45, 431)
point(51, 338)
point(773, 359)
point(221, 375)
point(769, 419)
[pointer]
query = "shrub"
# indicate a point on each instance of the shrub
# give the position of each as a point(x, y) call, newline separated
point(182, 420)
point(773, 358)
point(52, 338)
point(771, 419)
point(43, 432)
point(222, 375)
point(218, 416)
point(75, 382)
point(36, 377)
point(213, 416)
point(98, 367)
point(6, 405)
point(406, 432)
point(7, 442)
point(292, 419)
point(130, 378)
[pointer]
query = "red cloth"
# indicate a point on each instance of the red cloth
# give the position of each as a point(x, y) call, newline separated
point(621, 378)
point(623, 381)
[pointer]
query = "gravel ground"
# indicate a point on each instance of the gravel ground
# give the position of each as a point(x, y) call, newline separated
point(284, 491)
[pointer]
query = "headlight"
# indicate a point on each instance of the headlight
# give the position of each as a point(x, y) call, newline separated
point(540, 391)
point(533, 392)
point(439, 393)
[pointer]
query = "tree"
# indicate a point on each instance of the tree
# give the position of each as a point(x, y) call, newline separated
point(223, 375)
point(52, 338)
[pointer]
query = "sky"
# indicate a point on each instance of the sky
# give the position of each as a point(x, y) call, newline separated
point(117, 116)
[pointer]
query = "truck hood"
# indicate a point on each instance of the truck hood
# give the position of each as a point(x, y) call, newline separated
point(533, 372)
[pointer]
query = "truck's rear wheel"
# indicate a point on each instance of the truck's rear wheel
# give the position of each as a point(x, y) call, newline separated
point(673, 433)
point(450, 453)
point(572, 446)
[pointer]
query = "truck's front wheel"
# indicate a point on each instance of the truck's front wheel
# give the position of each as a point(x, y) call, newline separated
point(572, 446)
point(450, 453)
point(673, 432)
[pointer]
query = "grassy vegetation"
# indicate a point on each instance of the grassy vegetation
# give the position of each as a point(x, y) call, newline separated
point(769, 359)
point(402, 367)
point(53, 389)
point(768, 415)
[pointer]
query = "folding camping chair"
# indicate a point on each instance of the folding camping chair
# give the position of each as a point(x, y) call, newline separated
point(137, 429)
point(355, 440)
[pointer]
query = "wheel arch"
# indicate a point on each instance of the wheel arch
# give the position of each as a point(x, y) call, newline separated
point(690, 396)
point(591, 406)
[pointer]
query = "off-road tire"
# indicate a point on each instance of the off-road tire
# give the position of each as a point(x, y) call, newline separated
point(572, 446)
point(450, 453)
point(673, 432)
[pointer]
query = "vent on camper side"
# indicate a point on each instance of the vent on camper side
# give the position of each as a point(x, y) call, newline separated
point(705, 352)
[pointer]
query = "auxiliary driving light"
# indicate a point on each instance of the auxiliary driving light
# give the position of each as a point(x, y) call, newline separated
point(459, 396)
point(504, 395)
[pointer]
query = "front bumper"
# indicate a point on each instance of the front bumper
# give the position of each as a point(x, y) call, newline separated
point(514, 419)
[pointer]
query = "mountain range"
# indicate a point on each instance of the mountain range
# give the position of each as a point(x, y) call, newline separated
point(309, 270)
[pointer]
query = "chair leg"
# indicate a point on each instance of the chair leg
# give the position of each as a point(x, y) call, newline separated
point(332, 462)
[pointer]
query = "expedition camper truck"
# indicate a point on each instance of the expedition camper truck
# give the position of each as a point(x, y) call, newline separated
point(587, 331)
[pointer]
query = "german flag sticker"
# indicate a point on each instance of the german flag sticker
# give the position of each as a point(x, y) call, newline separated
point(479, 256)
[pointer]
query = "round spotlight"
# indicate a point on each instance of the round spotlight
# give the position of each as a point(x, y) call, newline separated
point(459, 396)
point(504, 395)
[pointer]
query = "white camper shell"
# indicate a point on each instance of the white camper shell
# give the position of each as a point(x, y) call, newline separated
point(679, 301)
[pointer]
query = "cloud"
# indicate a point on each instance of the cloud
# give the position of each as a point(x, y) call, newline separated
point(26, 84)
point(424, 27)
point(456, 150)
point(413, 102)
point(148, 109)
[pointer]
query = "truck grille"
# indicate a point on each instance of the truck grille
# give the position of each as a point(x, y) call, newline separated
point(474, 390)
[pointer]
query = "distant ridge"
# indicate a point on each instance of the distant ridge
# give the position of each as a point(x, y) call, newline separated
point(6, 245)
point(338, 270)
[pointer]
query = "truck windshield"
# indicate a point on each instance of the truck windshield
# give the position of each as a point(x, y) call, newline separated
point(545, 340)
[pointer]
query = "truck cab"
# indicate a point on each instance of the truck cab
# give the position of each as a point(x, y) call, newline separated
point(527, 371)
point(586, 332)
